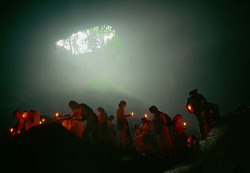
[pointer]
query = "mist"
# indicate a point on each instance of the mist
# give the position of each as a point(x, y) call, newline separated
point(167, 49)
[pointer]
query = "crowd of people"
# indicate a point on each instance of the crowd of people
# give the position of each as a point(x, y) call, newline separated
point(100, 129)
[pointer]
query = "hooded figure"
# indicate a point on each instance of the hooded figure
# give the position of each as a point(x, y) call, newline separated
point(163, 136)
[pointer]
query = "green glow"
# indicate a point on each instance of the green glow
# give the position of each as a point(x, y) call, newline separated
point(91, 39)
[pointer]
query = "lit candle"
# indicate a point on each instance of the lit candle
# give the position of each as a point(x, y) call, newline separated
point(132, 113)
point(40, 122)
point(43, 120)
point(146, 116)
point(185, 124)
point(11, 130)
point(189, 107)
point(57, 114)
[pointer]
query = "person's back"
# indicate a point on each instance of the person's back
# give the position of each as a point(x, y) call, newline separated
point(33, 118)
point(92, 124)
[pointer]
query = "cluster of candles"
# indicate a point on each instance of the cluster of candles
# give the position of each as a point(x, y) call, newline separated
point(24, 116)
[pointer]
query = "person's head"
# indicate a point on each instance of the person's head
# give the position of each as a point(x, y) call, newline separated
point(73, 105)
point(153, 109)
point(177, 118)
point(110, 118)
point(122, 104)
point(193, 92)
point(17, 113)
point(143, 120)
point(100, 110)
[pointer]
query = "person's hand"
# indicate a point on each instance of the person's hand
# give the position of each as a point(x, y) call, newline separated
point(58, 118)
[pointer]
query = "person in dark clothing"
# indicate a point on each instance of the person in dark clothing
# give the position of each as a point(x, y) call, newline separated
point(180, 137)
point(111, 130)
point(103, 125)
point(196, 105)
point(164, 139)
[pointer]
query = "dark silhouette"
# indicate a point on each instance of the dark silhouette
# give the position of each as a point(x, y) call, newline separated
point(206, 113)
point(180, 137)
point(164, 139)
point(103, 125)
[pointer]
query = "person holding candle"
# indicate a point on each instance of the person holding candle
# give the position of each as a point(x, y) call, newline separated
point(26, 119)
point(196, 104)
point(180, 137)
point(75, 118)
point(146, 136)
point(122, 125)
point(67, 122)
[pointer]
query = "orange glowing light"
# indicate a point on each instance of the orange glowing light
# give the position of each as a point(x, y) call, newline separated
point(132, 113)
point(189, 107)
point(184, 123)
point(57, 114)
point(43, 120)
point(40, 122)
point(24, 115)
point(146, 116)
point(11, 130)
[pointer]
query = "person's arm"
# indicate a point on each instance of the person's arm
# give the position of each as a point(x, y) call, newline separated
point(20, 126)
point(127, 116)
point(179, 127)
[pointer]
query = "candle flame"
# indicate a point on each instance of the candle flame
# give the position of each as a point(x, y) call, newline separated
point(40, 122)
point(57, 114)
point(43, 120)
point(184, 123)
point(132, 113)
point(11, 130)
point(146, 116)
point(189, 107)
